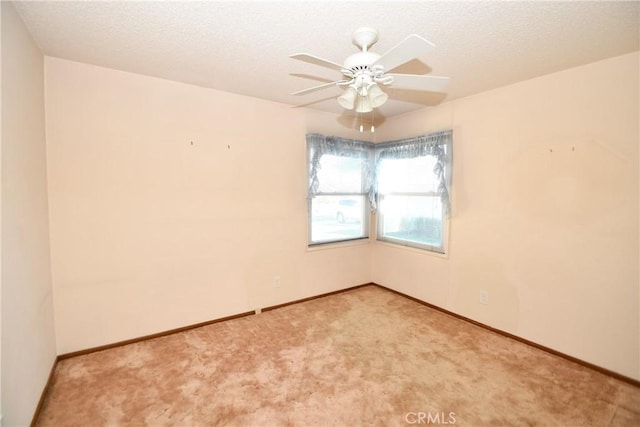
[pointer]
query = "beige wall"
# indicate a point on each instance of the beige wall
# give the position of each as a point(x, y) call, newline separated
point(545, 213)
point(28, 340)
point(173, 204)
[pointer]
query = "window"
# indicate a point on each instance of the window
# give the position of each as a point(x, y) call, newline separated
point(407, 181)
point(412, 190)
point(339, 182)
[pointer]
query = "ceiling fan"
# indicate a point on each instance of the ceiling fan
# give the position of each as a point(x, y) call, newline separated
point(364, 71)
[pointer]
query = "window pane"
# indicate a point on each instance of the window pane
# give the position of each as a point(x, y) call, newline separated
point(339, 174)
point(415, 219)
point(336, 218)
point(408, 175)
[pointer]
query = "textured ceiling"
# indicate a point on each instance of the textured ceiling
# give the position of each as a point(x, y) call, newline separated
point(243, 46)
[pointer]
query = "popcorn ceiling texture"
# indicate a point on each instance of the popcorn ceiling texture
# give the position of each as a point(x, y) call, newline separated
point(243, 47)
point(362, 357)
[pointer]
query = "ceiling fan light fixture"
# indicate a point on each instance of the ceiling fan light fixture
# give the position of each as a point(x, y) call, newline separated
point(376, 96)
point(348, 98)
point(364, 73)
point(363, 105)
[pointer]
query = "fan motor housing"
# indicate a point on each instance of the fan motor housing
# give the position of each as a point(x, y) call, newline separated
point(360, 59)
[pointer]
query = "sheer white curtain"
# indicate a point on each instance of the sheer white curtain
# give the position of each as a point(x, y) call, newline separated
point(437, 145)
point(320, 145)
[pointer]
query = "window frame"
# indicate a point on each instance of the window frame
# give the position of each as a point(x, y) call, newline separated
point(350, 147)
point(438, 144)
point(405, 242)
point(446, 146)
point(365, 224)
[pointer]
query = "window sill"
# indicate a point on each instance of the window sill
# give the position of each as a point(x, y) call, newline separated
point(337, 245)
point(412, 249)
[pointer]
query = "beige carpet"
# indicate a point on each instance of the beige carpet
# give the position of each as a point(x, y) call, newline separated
point(363, 357)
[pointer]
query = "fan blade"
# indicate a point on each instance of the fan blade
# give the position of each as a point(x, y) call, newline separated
point(317, 61)
point(417, 82)
point(410, 48)
point(315, 88)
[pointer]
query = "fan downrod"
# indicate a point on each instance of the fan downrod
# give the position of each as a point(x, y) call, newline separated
point(365, 37)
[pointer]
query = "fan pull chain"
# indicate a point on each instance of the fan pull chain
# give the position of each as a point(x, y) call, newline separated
point(373, 129)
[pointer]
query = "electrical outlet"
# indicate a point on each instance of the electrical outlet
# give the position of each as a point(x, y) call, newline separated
point(277, 281)
point(484, 297)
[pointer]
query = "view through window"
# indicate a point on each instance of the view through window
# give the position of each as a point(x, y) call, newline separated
point(338, 211)
point(410, 209)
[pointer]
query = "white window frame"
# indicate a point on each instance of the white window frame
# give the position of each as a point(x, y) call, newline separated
point(437, 144)
point(441, 249)
point(409, 243)
point(366, 206)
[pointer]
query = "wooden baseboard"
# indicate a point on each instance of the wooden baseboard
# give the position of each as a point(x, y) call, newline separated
point(151, 336)
point(565, 356)
point(298, 301)
point(43, 395)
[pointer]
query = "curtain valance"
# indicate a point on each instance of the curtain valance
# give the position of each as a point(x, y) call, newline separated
point(320, 145)
point(435, 144)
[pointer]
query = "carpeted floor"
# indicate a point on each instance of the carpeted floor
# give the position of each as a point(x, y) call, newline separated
point(362, 357)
